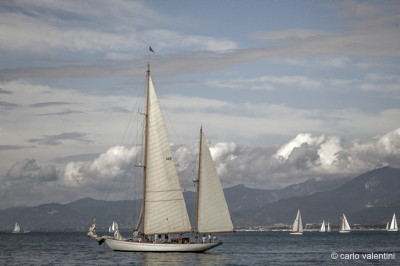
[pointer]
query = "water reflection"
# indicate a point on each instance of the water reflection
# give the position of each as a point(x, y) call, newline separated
point(184, 259)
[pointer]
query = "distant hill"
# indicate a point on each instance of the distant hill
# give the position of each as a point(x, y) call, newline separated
point(369, 198)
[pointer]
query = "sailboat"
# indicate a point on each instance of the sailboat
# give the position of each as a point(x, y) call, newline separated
point(323, 227)
point(344, 225)
point(17, 229)
point(393, 225)
point(297, 225)
point(328, 229)
point(113, 227)
point(164, 217)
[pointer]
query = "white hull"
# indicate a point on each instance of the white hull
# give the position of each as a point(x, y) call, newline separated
point(296, 233)
point(392, 230)
point(130, 246)
point(344, 231)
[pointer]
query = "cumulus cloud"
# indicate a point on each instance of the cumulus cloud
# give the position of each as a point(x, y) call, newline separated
point(113, 164)
point(304, 157)
point(28, 183)
point(114, 171)
point(29, 171)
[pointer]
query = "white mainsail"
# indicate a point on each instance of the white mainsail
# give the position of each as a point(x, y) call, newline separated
point(328, 227)
point(323, 228)
point(297, 225)
point(164, 206)
point(393, 225)
point(344, 225)
point(212, 211)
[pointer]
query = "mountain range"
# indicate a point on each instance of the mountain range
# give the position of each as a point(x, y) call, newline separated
point(370, 198)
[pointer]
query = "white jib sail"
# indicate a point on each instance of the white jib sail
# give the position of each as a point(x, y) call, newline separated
point(213, 212)
point(298, 224)
point(165, 210)
point(393, 224)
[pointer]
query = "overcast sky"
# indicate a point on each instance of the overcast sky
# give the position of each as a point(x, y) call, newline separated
point(285, 91)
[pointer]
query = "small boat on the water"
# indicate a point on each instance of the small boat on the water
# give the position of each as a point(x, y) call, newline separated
point(297, 225)
point(344, 225)
point(393, 224)
point(17, 229)
point(328, 229)
point(113, 227)
point(323, 227)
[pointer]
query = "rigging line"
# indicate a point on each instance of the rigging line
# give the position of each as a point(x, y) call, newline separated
point(108, 187)
point(117, 157)
point(136, 136)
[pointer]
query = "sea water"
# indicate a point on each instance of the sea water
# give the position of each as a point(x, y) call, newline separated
point(240, 248)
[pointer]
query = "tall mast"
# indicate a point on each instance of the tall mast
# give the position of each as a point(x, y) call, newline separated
point(145, 146)
point(197, 183)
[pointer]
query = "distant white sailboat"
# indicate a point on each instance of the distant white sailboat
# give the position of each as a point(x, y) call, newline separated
point(297, 225)
point(328, 229)
point(393, 225)
point(323, 227)
point(344, 225)
point(17, 229)
point(113, 227)
point(164, 217)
